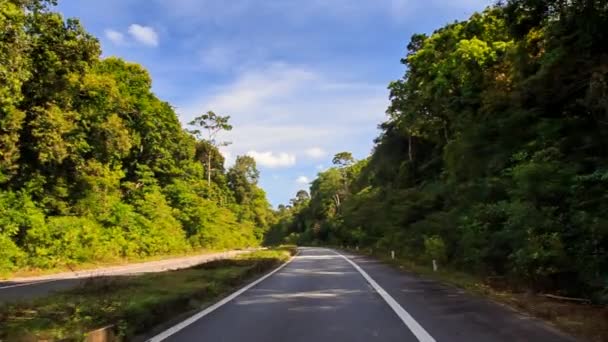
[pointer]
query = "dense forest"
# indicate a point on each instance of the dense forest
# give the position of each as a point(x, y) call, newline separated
point(494, 155)
point(95, 167)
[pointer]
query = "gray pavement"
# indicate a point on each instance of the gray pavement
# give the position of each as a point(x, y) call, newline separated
point(320, 297)
point(26, 288)
point(451, 314)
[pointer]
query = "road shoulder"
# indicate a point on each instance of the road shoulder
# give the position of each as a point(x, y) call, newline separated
point(453, 314)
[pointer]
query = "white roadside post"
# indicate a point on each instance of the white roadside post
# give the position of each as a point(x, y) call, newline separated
point(434, 265)
point(357, 248)
point(393, 255)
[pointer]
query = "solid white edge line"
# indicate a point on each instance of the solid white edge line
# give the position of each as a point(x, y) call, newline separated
point(28, 284)
point(174, 329)
point(410, 322)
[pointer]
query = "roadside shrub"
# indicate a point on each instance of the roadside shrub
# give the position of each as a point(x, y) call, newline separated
point(18, 215)
point(434, 249)
point(11, 256)
point(65, 240)
point(160, 232)
point(219, 228)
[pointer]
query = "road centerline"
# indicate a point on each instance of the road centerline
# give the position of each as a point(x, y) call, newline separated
point(421, 334)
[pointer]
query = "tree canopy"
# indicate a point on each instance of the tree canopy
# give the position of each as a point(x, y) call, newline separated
point(94, 166)
point(493, 156)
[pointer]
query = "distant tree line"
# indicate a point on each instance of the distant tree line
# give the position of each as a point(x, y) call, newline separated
point(494, 156)
point(93, 166)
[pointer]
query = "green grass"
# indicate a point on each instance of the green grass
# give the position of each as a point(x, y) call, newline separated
point(132, 304)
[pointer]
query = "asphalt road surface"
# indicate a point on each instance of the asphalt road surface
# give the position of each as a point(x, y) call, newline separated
point(322, 296)
point(19, 289)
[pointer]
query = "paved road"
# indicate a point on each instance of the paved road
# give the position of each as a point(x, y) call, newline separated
point(17, 289)
point(320, 296)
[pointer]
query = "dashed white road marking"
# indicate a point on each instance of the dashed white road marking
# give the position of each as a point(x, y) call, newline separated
point(418, 331)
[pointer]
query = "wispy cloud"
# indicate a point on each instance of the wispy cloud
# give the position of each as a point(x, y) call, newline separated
point(273, 160)
point(144, 34)
point(303, 180)
point(286, 107)
point(255, 87)
point(115, 37)
point(315, 152)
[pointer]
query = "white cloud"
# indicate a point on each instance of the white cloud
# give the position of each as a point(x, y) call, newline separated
point(115, 37)
point(286, 107)
point(315, 152)
point(272, 160)
point(320, 167)
point(144, 34)
point(302, 180)
point(256, 87)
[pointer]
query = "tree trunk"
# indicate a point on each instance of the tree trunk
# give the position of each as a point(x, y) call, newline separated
point(209, 169)
point(409, 148)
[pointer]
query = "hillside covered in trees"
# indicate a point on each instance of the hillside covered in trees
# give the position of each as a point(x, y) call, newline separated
point(493, 158)
point(94, 167)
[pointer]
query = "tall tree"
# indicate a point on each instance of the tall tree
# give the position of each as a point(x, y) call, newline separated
point(243, 178)
point(301, 198)
point(343, 161)
point(213, 124)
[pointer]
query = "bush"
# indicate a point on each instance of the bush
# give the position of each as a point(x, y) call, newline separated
point(163, 232)
point(65, 240)
point(434, 249)
point(18, 214)
point(11, 256)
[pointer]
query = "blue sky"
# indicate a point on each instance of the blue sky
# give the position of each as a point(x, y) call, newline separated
point(302, 80)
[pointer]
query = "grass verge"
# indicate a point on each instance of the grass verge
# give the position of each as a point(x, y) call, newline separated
point(132, 304)
point(585, 321)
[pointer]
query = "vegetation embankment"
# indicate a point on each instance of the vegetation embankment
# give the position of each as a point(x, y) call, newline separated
point(492, 160)
point(132, 304)
point(94, 167)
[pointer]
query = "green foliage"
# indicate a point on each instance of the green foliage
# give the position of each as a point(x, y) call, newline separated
point(434, 248)
point(243, 178)
point(94, 167)
point(493, 157)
